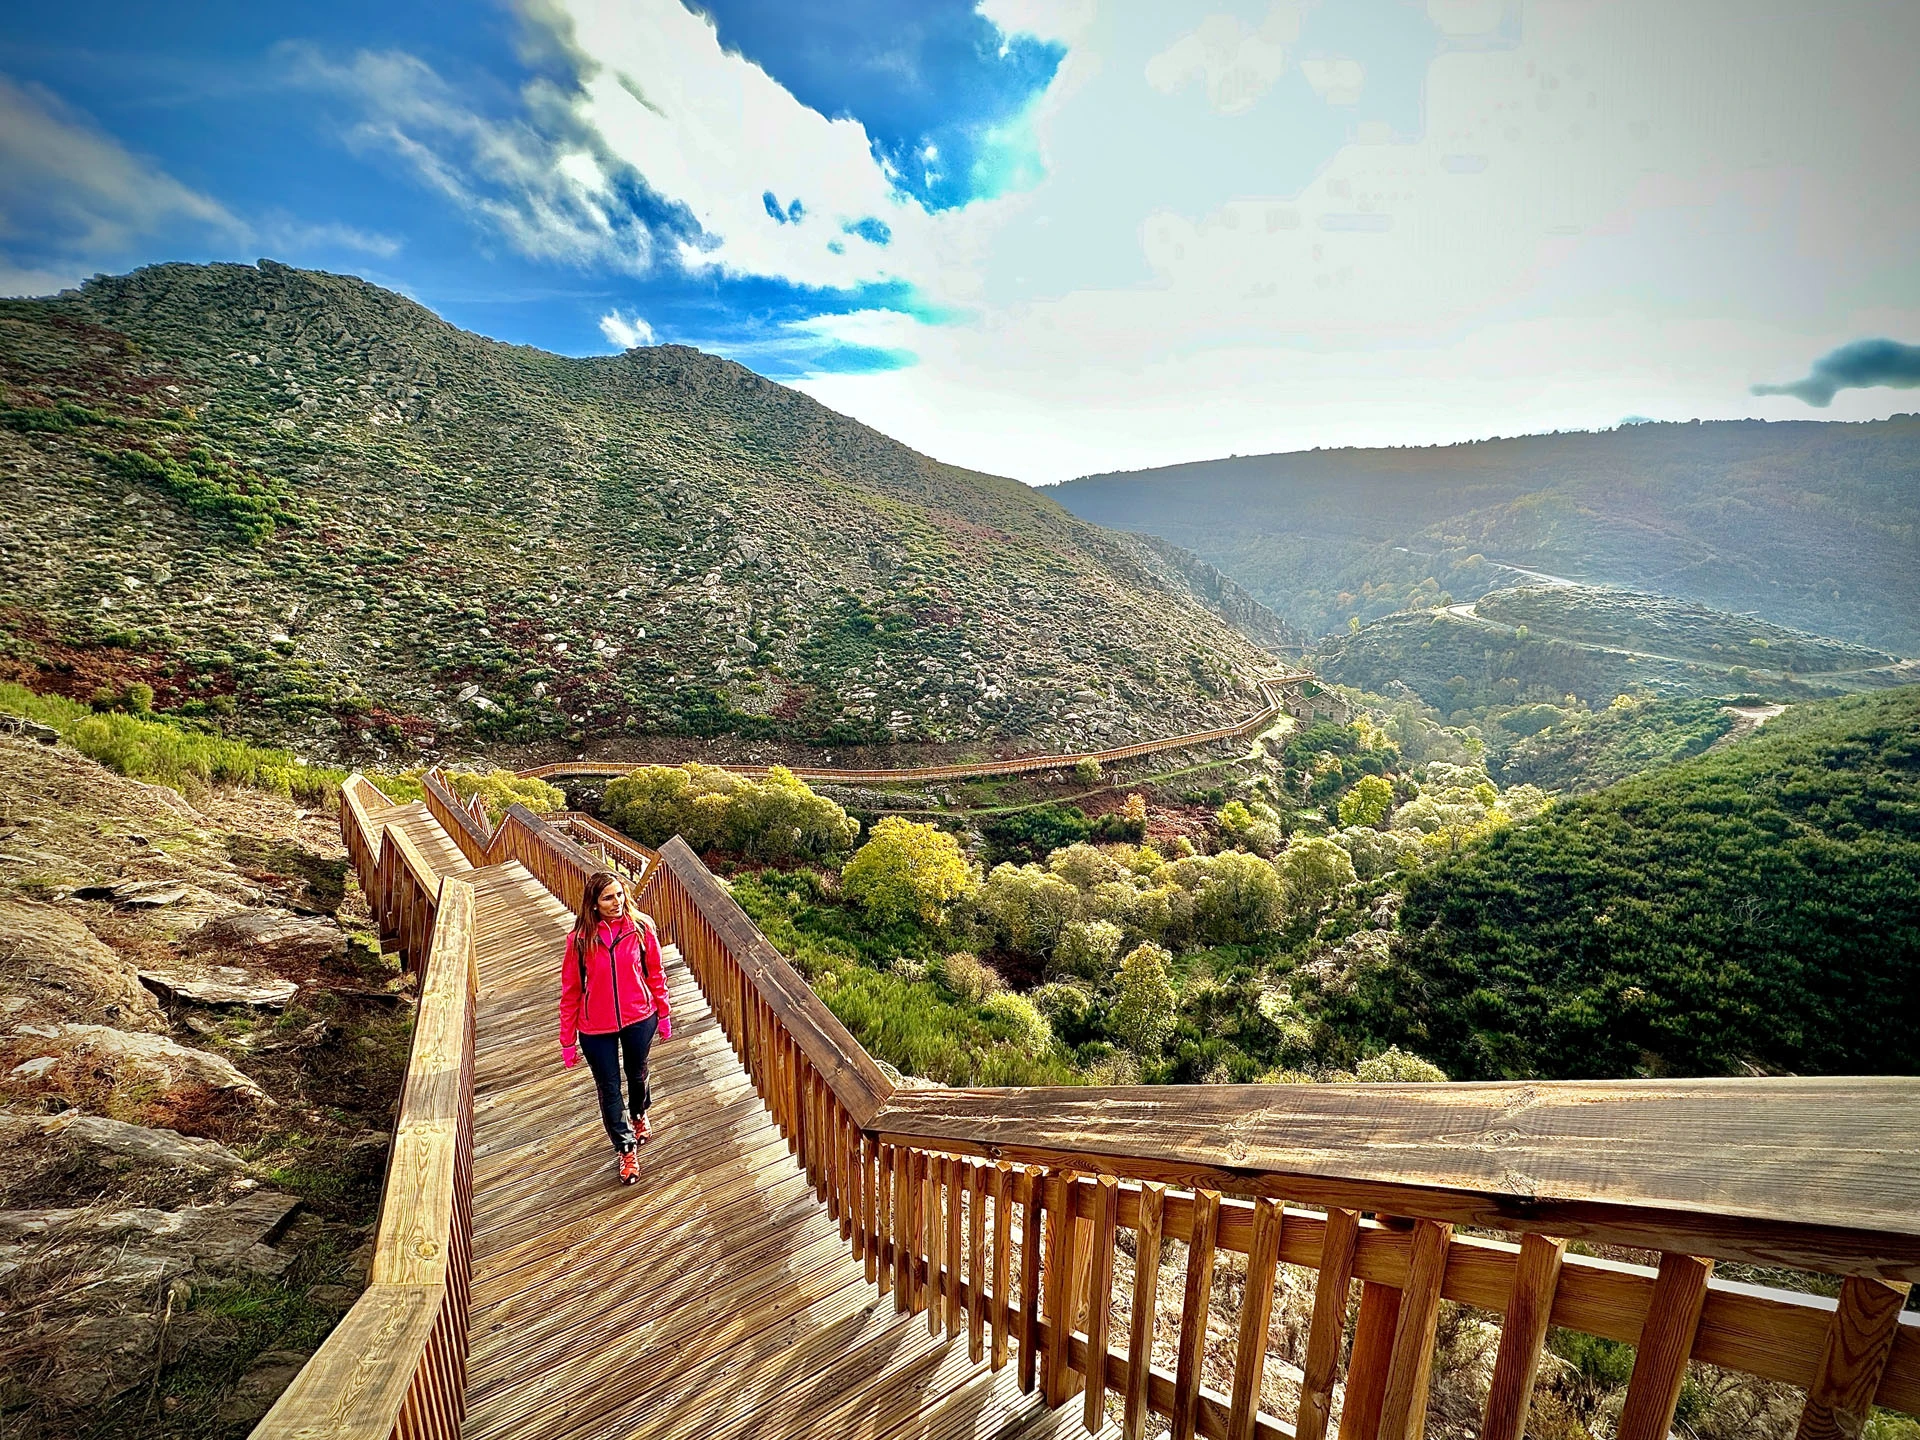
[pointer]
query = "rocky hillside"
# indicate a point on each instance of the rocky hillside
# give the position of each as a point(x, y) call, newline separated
point(200, 1049)
point(1807, 524)
point(309, 503)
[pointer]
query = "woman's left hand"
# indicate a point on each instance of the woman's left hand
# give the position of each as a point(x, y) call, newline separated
point(666, 1027)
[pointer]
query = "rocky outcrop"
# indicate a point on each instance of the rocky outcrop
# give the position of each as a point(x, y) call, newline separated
point(51, 966)
point(221, 986)
point(273, 935)
point(156, 1057)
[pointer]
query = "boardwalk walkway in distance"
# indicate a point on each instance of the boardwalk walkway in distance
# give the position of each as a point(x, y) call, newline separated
point(713, 1299)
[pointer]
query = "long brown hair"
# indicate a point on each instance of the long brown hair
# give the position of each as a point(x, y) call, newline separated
point(589, 917)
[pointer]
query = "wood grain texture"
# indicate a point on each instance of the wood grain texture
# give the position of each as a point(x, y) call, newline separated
point(1000, 1179)
point(976, 1193)
point(1256, 1311)
point(1403, 1405)
point(1060, 1267)
point(1859, 1343)
point(1523, 1332)
point(1193, 1313)
point(1340, 1235)
point(1146, 1289)
point(1101, 1237)
point(1031, 1224)
point(1373, 1335)
point(1666, 1339)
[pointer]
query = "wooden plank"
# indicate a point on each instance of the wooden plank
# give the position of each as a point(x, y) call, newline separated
point(1193, 1312)
point(1030, 1227)
point(1728, 1177)
point(1100, 1298)
point(1660, 1360)
point(1522, 1333)
point(1372, 1358)
point(951, 1171)
point(934, 1178)
point(356, 1383)
point(976, 1261)
point(1000, 1182)
point(1060, 1269)
point(1338, 1239)
point(1403, 1406)
point(1146, 1294)
point(883, 1193)
point(902, 1225)
point(1859, 1342)
point(1256, 1312)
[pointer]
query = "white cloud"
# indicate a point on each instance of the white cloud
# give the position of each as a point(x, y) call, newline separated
point(1236, 62)
point(1064, 22)
point(1336, 79)
point(87, 197)
point(626, 331)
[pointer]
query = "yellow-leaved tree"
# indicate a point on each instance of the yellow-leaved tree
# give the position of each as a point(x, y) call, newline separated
point(907, 871)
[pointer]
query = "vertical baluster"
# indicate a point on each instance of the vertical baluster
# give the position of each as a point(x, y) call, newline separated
point(1030, 1225)
point(848, 1157)
point(1000, 1179)
point(1193, 1311)
point(902, 1226)
point(880, 1258)
point(953, 1169)
point(1062, 1268)
point(1666, 1339)
point(1522, 1333)
point(863, 1201)
point(1256, 1310)
point(1368, 1365)
point(1146, 1296)
point(976, 1262)
point(1329, 1319)
point(1403, 1408)
point(1106, 1213)
point(936, 1234)
point(1859, 1340)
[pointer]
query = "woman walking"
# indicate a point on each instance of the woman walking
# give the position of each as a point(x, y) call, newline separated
point(613, 997)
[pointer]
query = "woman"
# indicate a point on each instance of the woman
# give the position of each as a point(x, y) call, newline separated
point(613, 996)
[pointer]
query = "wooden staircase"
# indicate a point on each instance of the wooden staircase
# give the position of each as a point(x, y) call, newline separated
point(814, 1252)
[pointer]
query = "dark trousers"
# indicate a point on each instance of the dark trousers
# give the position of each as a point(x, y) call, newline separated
point(603, 1054)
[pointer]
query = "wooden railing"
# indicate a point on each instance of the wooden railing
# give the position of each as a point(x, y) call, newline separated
point(396, 1363)
point(1039, 1221)
point(1001, 1212)
point(1019, 765)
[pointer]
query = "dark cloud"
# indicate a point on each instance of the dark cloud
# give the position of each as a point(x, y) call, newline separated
point(1853, 367)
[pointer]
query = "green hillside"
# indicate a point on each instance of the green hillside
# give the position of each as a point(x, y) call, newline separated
point(1757, 907)
point(1808, 524)
point(308, 504)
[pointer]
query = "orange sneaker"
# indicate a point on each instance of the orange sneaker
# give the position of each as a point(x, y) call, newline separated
point(643, 1132)
point(629, 1168)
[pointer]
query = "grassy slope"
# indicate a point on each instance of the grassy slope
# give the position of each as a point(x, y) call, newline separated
point(434, 511)
point(1811, 525)
point(1759, 905)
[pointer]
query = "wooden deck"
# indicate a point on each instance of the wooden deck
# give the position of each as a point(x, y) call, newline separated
point(713, 1299)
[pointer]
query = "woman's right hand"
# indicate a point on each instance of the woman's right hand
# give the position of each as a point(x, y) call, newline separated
point(569, 1055)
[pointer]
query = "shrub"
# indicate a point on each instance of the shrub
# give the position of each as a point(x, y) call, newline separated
point(777, 818)
point(907, 871)
point(1313, 872)
point(1086, 948)
point(1035, 833)
point(1394, 1066)
point(1087, 770)
point(1367, 803)
point(970, 978)
point(1143, 1011)
point(1030, 1027)
point(502, 789)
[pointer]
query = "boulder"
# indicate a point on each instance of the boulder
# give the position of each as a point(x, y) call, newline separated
point(50, 959)
point(273, 934)
point(235, 1237)
point(161, 1057)
point(106, 1139)
point(253, 1393)
point(222, 985)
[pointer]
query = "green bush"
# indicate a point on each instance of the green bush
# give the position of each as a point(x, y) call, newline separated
point(777, 818)
point(907, 871)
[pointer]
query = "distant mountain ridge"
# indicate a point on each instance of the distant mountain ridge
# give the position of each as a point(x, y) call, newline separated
point(1809, 524)
point(307, 501)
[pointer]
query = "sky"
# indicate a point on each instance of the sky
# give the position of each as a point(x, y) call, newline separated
point(1042, 238)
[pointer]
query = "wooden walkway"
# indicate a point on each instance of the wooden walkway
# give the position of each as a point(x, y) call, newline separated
point(715, 1298)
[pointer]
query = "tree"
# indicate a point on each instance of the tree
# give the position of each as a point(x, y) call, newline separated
point(1087, 770)
point(1367, 803)
point(1236, 896)
point(1313, 872)
point(1029, 905)
point(1086, 948)
point(1143, 1012)
point(777, 818)
point(907, 871)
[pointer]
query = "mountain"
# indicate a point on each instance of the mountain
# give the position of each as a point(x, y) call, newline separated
point(308, 503)
point(1754, 908)
point(1808, 524)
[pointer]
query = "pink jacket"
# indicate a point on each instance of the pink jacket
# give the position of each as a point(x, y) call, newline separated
point(619, 984)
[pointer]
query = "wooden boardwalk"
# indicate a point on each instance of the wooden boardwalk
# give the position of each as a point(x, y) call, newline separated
point(715, 1298)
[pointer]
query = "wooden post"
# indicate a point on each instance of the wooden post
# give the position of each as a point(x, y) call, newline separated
point(1256, 1311)
point(953, 1169)
point(1522, 1333)
point(1403, 1408)
point(1001, 1180)
point(1060, 1267)
point(1337, 1245)
point(1193, 1311)
point(1372, 1356)
point(1146, 1295)
point(935, 1233)
point(1666, 1339)
point(1106, 1212)
point(902, 1218)
point(976, 1261)
point(1859, 1341)
point(1030, 1224)
point(883, 1218)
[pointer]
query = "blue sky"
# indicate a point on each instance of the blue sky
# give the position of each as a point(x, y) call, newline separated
point(1041, 237)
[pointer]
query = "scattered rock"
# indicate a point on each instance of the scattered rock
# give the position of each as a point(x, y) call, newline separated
point(273, 934)
point(233, 1238)
point(35, 1069)
point(115, 1138)
point(223, 985)
point(152, 894)
point(101, 1356)
point(31, 729)
point(254, 1393)
point(49, 957)
point(164, 1058)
